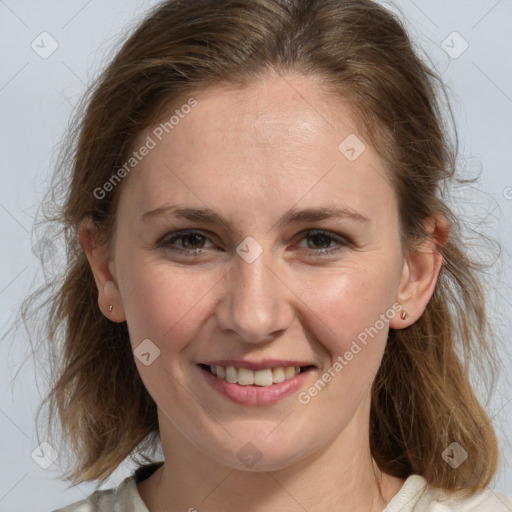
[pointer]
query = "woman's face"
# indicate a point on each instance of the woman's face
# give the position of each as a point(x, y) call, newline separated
point(247, 237)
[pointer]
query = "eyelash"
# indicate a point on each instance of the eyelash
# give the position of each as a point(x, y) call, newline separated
point(169, 239)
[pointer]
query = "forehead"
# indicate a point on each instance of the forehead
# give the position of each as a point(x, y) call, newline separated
point(281, 137)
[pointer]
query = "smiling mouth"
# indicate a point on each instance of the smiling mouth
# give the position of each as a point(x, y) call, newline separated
point(247, 377)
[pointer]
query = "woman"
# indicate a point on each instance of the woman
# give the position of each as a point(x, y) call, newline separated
point(264, 277)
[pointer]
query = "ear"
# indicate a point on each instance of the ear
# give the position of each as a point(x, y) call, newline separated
point(421, 271)
point(103, 270)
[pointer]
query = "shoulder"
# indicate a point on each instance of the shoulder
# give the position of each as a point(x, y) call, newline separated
point(100, 501)
point(124, 498)
point(485, 501)
point(417, 496)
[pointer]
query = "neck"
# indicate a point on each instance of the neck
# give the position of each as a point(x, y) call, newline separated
point(342, 476)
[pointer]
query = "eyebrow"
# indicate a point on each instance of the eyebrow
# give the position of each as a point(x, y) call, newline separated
point(293, 216)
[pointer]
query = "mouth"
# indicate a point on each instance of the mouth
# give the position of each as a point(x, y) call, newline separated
point(264, 377)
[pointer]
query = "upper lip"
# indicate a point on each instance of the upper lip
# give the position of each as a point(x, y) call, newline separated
point(256, 365)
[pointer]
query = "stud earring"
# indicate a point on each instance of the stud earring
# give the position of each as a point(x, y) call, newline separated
point(110, 308)
point(404, 315)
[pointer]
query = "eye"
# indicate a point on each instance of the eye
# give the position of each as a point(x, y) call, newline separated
point(322, 243)
point(185, 241)
point(319, 241)
point(314, 243)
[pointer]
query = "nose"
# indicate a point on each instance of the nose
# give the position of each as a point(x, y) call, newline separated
point(256, 306)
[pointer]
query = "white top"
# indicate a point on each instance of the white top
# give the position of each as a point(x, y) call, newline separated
point(414, 496)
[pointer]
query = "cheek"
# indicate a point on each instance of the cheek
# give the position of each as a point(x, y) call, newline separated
point(346, 319)
point(165, 305)
point(346, 307)
point(172, 306)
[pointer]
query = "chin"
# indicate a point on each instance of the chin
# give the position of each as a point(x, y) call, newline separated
point(258, 454)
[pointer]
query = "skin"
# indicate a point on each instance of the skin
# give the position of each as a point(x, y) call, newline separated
point(252, 154)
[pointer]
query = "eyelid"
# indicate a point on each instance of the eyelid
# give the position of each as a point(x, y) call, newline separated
point(176, 235)
point(172, 236)
point(341, 241)
point(326, 232)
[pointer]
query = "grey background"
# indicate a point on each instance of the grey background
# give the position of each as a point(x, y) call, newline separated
point(36, 99)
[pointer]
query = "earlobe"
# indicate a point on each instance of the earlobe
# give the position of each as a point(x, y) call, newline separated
point(109, 297)
point(110, 302)
point(420, 273)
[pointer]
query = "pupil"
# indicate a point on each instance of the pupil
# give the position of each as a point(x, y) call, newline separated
point(321, 241)
point(193, 241)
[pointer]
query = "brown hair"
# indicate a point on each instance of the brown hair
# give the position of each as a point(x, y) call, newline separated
point(422, 396)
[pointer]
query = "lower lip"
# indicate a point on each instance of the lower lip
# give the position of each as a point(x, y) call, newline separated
point(255, 395)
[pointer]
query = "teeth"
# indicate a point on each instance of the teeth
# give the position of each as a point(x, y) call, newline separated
point(231, 374)
point(289, 372)
point(246, 377)
point(263, 377)
point(278, 375)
